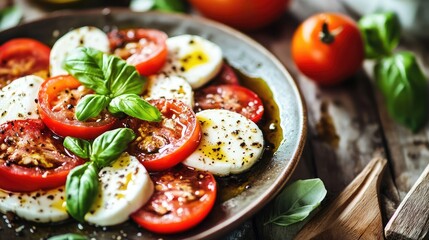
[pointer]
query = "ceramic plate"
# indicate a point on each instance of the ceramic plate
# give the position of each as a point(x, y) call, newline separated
point(239, 197)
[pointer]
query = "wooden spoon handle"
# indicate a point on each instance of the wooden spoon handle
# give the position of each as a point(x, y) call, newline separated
point(411, 219)
point(355, 213)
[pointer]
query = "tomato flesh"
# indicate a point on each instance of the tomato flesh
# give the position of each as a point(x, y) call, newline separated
point(144, 48)
point(57, 100)
point(31, 157)
point(183, 197)
point(161, 145)
point(230, 97)
point(226, 76)
point(23, 56)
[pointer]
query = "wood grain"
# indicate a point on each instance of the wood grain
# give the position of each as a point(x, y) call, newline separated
point(355, 213)
point(411, 219)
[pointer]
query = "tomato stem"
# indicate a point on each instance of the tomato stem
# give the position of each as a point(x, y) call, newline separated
point(326, 36)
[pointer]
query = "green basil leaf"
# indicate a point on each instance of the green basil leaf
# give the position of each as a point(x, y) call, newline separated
point(80, 147)
point(68, 236)
point(81, 189)
point(85, 64)
point(381, 33)
point(297, 201)
point(405, 90)
point(110, 145)
point(10, 17)
point(91, 106)
point(134, 106)
point(122, 78)
point(170, 5)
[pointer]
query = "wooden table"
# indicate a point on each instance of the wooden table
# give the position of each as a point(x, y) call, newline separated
point(348, 125)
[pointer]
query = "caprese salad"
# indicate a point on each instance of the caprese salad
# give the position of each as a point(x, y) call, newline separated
point(129, 124)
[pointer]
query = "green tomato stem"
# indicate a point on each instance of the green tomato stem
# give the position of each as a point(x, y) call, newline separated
point(326, 36)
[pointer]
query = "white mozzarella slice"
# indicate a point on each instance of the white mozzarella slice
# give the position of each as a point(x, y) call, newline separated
point(172, 87)
point(230, 143)
point(125, 186)
point(38, 206)
point(194, 58)
point(18, 100)
point(80, 37)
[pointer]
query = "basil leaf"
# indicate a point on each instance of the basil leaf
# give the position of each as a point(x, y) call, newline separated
point(90, 106)
point(80, 147)
point(170, 5)
point(297, 201)
point(381, 33)
point(121, 77)
point(110, 145)
point(85, 64)
point(134, 106)
point(10, 17)
point(405, 90)
point(68, 236)
point(81, 189)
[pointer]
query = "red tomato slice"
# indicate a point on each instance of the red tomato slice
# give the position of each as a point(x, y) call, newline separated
point(183, 197)
point(23, 56)
point(230, 97)
point(164, 144)
point(226, 76)
point(58, 97)
point(144, 48)
point(31, 157)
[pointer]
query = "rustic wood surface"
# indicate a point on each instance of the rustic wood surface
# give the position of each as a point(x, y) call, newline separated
point(410, 221)
point(348, 125)
point(347, 217)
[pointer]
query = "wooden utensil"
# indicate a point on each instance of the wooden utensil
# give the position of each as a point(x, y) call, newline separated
point(411, 219)
point(355, 213)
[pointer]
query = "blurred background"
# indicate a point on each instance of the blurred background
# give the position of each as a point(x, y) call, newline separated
point(413, 14)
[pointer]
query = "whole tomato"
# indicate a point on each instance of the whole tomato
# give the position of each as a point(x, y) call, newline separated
point(242, 14)
point(328, 48)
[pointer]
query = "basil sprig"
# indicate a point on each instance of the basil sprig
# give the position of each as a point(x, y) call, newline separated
point(82, 182)
point(10, 16)
point(404, 87)
point(110, 77)
point(381, 33)
point(69, 236)
point(159, 5)
point(397, 75)
point(297, 201)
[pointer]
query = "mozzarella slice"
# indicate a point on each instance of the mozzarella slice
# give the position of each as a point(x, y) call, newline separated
point(172, 87)
point(39, 206)
point(80, 37)
point(194, 58)
point(125, 186)
point(230, 143)
point(18, 100)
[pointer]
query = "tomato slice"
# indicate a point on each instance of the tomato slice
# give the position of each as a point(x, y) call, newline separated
point(183, 197)
point(23, 56)
point(144, 48)
point(226, 76)
point(230, 97)
point(164, 144)
point(57, 100)
point(31, 157)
